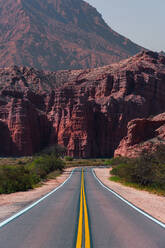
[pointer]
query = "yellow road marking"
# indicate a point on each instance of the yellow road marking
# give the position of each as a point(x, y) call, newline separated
point(87, 233)
point(83, 206)
point(80, 223)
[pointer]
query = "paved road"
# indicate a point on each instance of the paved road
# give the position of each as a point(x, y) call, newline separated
point(54, 222)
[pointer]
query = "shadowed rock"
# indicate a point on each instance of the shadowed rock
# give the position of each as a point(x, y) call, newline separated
point(85, 110)
point(142, 134)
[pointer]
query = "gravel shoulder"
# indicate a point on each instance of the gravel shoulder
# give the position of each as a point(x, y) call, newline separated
point(150, 203)
point(12, 203)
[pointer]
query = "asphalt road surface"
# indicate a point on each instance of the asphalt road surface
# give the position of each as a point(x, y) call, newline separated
point(82, 213)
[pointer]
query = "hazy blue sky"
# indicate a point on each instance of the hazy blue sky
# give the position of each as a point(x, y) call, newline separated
point(142, 21)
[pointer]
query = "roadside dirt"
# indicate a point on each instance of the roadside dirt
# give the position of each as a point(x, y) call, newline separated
point(12, 203)
point(150, 203)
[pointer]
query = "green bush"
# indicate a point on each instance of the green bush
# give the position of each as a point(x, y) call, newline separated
point(43, 165)
point(148, 170)
point(115, 161)
point(16, 178)
point(22, 177)
point(68, 158)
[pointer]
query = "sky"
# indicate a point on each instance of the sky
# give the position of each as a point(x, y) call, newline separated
point(142, 21)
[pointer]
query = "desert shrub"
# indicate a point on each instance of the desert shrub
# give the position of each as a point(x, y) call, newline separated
point(22, 177)
point(115, 161)
point(56, 150)
point(147, 170)
point(68, 158)
point(16, 178)
point(107, 162)
point(45, 164)
point(123, 170)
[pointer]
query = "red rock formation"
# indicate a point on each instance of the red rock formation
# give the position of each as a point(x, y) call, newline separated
point(85, 110)
point(58, 34)
point(23, 128)
point(143, 134)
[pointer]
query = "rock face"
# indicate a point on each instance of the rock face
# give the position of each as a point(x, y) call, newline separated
point(162, 53)
point(58, 34)
point(87, 111)
point(143, 134)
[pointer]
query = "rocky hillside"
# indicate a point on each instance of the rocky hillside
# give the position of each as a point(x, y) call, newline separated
point(142, 134)
point(87, 111)
point(58, 34)
point(162, 53)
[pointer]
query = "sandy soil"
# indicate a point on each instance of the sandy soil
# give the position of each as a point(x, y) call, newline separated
point(150, 203)
point(12, 203)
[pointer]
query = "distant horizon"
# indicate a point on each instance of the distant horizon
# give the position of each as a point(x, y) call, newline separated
point(122, 17)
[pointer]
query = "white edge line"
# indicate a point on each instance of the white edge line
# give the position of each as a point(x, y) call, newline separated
point(5, 222)
point(130, 204)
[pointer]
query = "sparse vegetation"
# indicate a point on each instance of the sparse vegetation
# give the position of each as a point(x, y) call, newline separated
point(115, 161)
point(16, 178)
point(68, 158)
point(147, 171)
point(23, 174)
point(85, 162)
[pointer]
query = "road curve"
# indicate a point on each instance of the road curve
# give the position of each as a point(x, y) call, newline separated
point(53, 223)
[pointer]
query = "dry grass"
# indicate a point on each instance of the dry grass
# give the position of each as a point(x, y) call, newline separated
point(74, 163)
point(85, 162)
point(15, 161)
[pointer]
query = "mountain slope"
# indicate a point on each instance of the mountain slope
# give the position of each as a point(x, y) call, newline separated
point(58, 34)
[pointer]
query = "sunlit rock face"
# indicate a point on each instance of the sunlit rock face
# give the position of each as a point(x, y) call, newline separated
point(144, 134)
point(58, 34)
point(87, 111)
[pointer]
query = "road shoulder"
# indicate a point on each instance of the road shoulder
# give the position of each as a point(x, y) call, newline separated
point(12, 203)
point(148, 202)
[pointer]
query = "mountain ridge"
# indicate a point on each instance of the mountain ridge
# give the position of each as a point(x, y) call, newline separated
point(58, 34)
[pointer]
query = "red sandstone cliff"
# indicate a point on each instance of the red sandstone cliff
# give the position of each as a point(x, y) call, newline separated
point(85, 110)
point(58, 34)
point(143, 134)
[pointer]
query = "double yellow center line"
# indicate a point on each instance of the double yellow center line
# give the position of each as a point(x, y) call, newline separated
point(83, 215)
